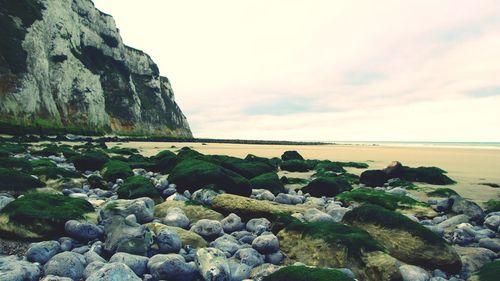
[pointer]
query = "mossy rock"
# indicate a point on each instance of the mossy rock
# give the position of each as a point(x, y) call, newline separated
point(295, 166)
point(55, 150)
point(42, 163)
point(13, 148)
point(373, 178)
point(122, 150)
point(291, 180)
point(270, 162)
point(42, 214)
point(193, 212)
point(489, 272)
point(492, 205)
point(15, 163)
point(115, 169)
point(357, 165)
point(330, 166)
point(381, 198)
point(16, 181)
point(47, 173)
point(304, 273)
point(442, 192)
point(431, 175)
point(187, 237)
point(193, 174)
point(269, 181)
point(327, 186)
point(248, 208)
point(89, 161)
point(137, 187)
point(137, 161)
point(164, 161)
point(248, 169)
point(291, 155)
point(96, 181)
point(408, 185)
point(405, 239)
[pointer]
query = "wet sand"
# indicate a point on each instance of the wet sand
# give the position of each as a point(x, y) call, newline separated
point(469, 166)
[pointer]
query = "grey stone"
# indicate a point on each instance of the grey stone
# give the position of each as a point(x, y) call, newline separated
point(250, 257)
point(266, 243)
point(315, 215)
point(138, 264)
point(92, 256)
point(492, 222)
point(176, 217)
point(337, 212)
point(208, 229)
point(227, 244)
point(212, 264)
point(205, 196)
point(469, 208)
point(66, 264)
point(453, 221)
point(238, 271)
point(263, 194)
point(171, 267)
point(490, 243)
point(42, 252)
point(168, 241)
point(413, 273)
point(232, 223)
point(55, 278)
point(142, 208)
point(12, 268)
point(258, 225)
point(4, 200)
point(92, 267)
point(275, 258)
point(124, 236)
point(113, 272)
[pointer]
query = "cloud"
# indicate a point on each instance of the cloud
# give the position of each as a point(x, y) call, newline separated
point(325, 70)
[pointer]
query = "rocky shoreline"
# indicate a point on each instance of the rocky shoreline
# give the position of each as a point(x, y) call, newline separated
point(100, 213)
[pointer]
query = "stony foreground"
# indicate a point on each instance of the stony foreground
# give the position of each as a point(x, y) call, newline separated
point(99, 213)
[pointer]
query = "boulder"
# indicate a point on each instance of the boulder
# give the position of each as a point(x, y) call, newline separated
point(138, 264)
point(453, 221)
point(258, 225)
point(55, 278)
point(114, 271)
point(490, 243)
point(66, 264)
point(168, 241)
point(93, 267)
point(492, 222)
point(266, 243)
point(208, 229)
point(315, 215)
point(171, 267)
point(193, 212)
point(232, 223)
point(212, 264)
point(473, 259)
point(291, 155)
point(468, 208)
point(239, 271)
point(83, 231)
point(373, 178)
point(268, 181)
point(42, 252)
point(227, 244)
point(14, 268)
point(176, 217)
point(188, 238)
point(124, 236)
point(250, 257)
point(142, 208)
point(327, 186)
point(413, 273)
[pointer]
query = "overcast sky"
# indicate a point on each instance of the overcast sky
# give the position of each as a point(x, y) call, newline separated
point(413, 70)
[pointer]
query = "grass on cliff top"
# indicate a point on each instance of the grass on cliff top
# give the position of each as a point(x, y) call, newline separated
point(353, 238)
point(304, 273)
point(490, 272)
point(374, 214)
point(492, 205)
point(442, 192)
point(46, 208)
point(380, 198)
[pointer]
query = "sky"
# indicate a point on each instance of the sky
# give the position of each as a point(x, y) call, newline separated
point(325, 70)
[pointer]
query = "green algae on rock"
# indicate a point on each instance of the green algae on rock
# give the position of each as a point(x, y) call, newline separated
point(304, 273)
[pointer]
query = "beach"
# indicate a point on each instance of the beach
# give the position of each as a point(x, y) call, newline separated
point(467, 165)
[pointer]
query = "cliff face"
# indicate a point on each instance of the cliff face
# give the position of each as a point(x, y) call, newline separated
point(63, 64)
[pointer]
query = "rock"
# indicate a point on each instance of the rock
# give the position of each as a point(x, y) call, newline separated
point(238, 270)
point(248, 208)
point(398, 191)
point(275, 258)
point(138, 264)
point(473, 259)
point(444, 205)
point(76, 96)
point(288, 199)
point(212, 264)
point(291, 155)
point(92, 256)
point(469, 208)
point(142, 208)
point(327, 186)
point(315, 215)
point(13, 268)
point(208, 229)
point(4, 200)
point(92, 267)
point(227, 244)
point(232, 223)
point(55, 278)
point(263, 194)
point(131, 219)
point(83, 231)
point(436, 229)
point(258, 225)
point(41, 252)
point(490, 243)
point(171, 267)
point(263, 270)
point(250, 257)
point(168, 241)
point(205, 196)
point(336, 212)
point(381, 266)
point(66, 264)
point(492, 222)
point(373, 178)
point(267, 243)
point(453, 221)
point(244, 236)
point(123, 236)
point(193, 212)
point(176, 217)
point(114, 271)
point(413, 273)
point(188, 238)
